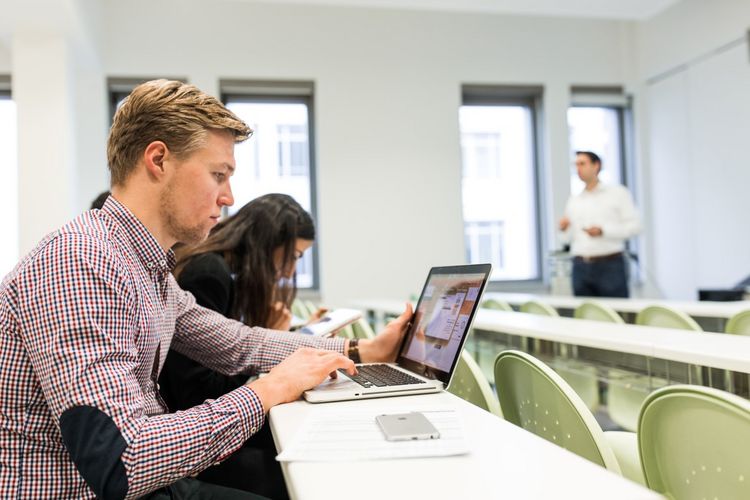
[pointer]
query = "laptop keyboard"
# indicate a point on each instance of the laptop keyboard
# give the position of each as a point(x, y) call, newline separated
point(381, 376)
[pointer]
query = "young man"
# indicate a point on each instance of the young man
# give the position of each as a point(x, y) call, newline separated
point(598, 221)
point(87, 317)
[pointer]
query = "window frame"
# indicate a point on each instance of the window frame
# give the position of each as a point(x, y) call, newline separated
point(286, 92)
point(530, 96)
point(616, 99)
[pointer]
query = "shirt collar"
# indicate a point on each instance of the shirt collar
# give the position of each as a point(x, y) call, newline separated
point(151, 254)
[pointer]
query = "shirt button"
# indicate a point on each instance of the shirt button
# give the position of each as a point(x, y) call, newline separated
point(150, 265)
point(163, 263)
point(253, 429)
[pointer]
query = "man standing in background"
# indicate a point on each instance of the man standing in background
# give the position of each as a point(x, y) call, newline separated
point(597, 222)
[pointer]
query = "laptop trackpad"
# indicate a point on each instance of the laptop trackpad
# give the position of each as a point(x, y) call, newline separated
point(337, 384)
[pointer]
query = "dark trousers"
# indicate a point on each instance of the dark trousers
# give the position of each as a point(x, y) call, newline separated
point(253, 467)
point(192, 489)
point(600, 278)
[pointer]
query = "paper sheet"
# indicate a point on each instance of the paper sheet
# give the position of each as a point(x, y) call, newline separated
point(352, 434)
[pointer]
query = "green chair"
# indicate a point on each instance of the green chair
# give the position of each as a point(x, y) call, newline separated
point(665, 317)
point(470, 384)
point(739, 324)
point(311, 307)
point(622, 393)
point(694, 443)
point(596, 311)
point(626, 394)
point(583, 379)
point(361, 329)
point(498, 305)
point(536, 398)
point(537, 307)
point(540, 309)
point(300, 310)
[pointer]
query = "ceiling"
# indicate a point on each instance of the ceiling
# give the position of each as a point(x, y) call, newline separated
point(604, 9)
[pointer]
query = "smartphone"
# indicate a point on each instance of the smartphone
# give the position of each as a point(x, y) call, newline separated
point(406, 426)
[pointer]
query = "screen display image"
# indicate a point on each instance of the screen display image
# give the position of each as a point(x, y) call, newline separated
point(442, 318)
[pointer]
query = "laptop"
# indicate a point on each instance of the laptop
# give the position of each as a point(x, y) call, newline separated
point(430, 350)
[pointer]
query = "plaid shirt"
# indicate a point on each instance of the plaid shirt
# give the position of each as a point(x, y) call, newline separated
point(86, 320)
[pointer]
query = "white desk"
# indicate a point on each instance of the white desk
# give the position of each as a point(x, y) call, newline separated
point(716, 350)
point(696, 309)
point(505, 462)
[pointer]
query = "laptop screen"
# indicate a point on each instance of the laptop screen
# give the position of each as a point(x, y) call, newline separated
point(442, 319)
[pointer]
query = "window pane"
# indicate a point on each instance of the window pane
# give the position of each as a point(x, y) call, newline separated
point(274, 160)
point(596, 129)
point(499, 195)
point(8, 185)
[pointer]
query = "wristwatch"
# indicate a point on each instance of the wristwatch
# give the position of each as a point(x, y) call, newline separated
point(353, 351)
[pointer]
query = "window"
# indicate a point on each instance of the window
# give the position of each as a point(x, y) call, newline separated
point(500, 203)
point(481, 154)
point(484, 242)
point(596, 123)
point(8, 179)
point(277, 159)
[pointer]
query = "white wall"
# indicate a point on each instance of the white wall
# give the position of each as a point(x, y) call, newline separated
point(695, 65)
point(387, 96)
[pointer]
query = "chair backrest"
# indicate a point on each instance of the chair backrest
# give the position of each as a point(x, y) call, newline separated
point(537, 307)
point(694, 442)
point(666, 318)
point(362, 329)
point(310, 305)
point(536, 398)
point(499, 305)
point(470, 384)
point(739, 324)
point(597, 311)
point(300, 310)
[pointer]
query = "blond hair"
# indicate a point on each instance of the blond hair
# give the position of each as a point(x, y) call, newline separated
point(170, 111)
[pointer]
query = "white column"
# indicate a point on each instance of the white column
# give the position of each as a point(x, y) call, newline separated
point(555, 126)
point(43, 90)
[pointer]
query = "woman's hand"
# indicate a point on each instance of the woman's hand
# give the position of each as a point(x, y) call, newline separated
point(315, 317)
point(280, 317)
point(384, 347)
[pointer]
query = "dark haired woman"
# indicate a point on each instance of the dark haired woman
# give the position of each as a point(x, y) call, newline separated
point(245, 270)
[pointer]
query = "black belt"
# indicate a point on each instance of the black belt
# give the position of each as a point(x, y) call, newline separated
point(599, 258)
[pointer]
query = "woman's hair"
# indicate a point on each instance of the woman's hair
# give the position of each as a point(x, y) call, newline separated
point(247, 241)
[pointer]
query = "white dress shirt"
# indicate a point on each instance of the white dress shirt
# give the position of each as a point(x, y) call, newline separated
point(609, 207)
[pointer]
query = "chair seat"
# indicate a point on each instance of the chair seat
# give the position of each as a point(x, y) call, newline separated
point(625, 447)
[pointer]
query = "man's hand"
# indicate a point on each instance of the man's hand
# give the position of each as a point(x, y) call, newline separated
point(564, 224)
point(593, 231)
point(384, 347)
point(280, 317)
point(303, 370)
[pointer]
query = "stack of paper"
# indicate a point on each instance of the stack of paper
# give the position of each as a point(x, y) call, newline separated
point(350, 434)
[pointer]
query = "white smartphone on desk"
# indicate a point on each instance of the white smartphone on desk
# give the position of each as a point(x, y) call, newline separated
point(406, 427)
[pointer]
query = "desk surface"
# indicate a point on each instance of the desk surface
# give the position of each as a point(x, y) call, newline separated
point(505, 462)
point(717, 350)
point(698, 309)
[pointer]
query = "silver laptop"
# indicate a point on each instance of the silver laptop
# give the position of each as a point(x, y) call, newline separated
point(430, 351)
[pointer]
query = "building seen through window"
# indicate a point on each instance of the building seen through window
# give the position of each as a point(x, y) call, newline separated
point(597, 129)
point(499, 189)
point(275, 160)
